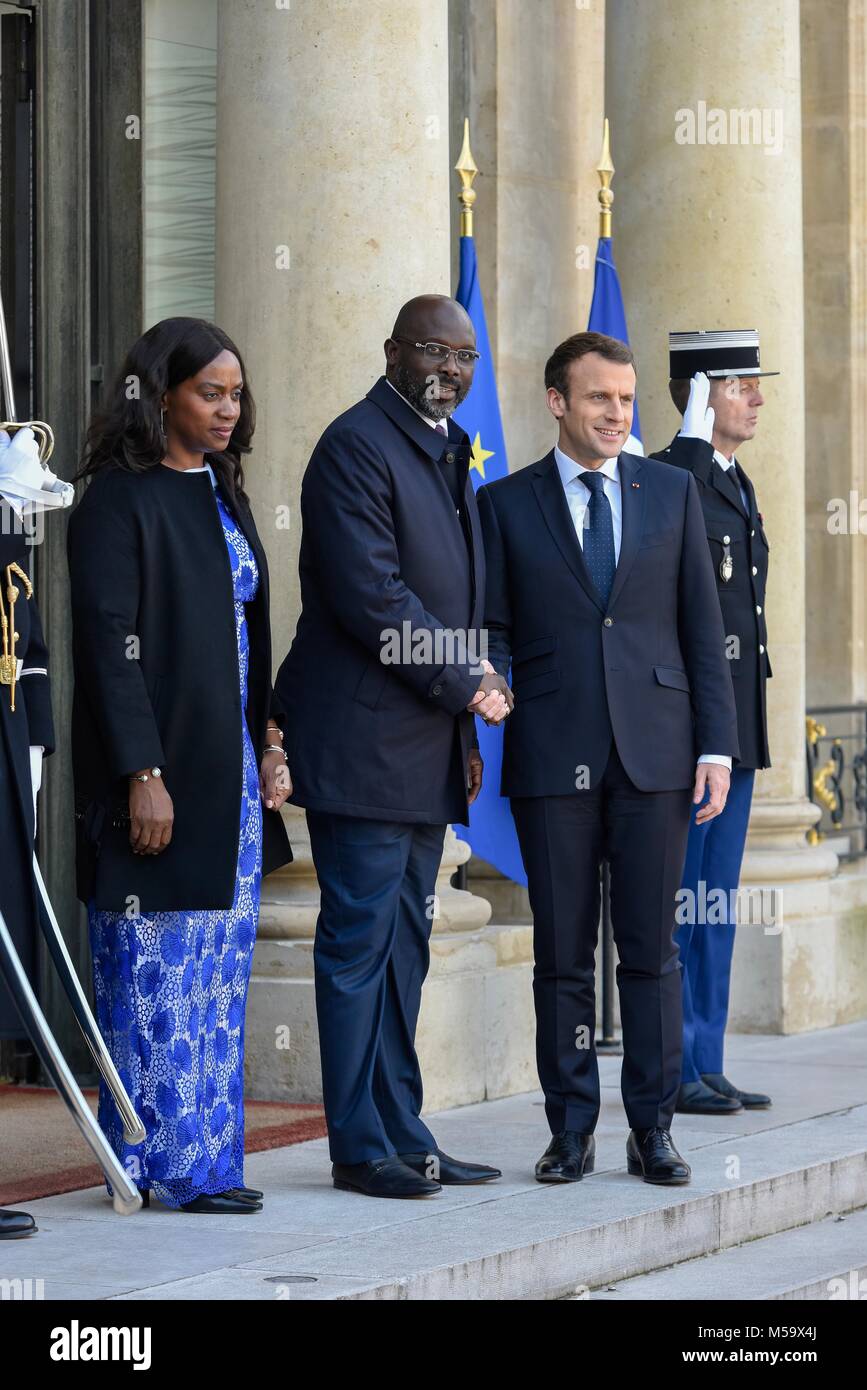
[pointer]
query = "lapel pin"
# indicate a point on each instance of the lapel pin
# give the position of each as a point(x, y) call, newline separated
point(636, 484)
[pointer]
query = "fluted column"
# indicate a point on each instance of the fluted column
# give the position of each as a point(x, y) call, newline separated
point(334, 201)
point(708, 234)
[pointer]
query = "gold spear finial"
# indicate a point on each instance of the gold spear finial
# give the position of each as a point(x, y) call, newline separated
point(605, 170)
point(467, 168)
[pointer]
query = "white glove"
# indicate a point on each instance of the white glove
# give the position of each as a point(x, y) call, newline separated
point(698, 417)
point(36, 754)
point(25, 482)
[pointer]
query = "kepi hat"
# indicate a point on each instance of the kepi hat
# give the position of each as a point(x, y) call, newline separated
point(716, 352)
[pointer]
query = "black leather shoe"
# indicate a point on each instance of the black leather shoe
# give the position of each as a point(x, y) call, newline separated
point(221, 1204)
point(568, 1157)
point(449, 1171)
point(15, 1224)
point(750, 1100)
point(695, 1098)
point(383, 1177)
point(651, 1155)
point(249, 1194)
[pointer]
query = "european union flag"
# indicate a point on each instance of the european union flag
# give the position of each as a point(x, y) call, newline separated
point(491, 833)
point(607, 315)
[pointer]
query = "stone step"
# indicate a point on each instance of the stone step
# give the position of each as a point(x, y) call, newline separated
point(825, 1260)
point(522, 1240)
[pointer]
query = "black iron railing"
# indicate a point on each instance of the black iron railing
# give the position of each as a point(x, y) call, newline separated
point(837, 775)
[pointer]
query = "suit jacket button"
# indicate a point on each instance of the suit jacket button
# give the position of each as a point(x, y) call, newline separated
point(758, 608)
point(450, 458)
point(755, 571)
point(727, 540)
point(609, 622)
point(761, 648)
point(437, 690)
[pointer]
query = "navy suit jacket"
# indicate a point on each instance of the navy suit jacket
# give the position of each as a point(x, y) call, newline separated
point(383, 551)
point(647, 669)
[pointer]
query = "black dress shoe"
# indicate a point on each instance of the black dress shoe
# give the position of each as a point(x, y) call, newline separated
point(15, 1224)
point(221, 1204)
point(695, 1098)
point(249, 1194)
point(450, 1171)
point(567, 1158)
point(651, 1155)
point(750, 1100)
point(383, 1177)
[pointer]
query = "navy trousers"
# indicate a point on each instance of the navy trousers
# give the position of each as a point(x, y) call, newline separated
point(377, 881)
point(563, 841)
point(713, 861)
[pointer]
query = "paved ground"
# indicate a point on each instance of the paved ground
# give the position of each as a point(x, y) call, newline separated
point(755, 1176)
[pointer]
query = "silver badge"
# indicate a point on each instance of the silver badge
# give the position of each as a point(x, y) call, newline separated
point(726, 568)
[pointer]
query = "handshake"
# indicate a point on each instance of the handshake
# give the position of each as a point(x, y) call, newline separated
point(493, 700)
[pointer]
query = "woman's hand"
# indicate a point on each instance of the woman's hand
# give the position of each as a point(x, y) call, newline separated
point(275, 784)
point(151, 815)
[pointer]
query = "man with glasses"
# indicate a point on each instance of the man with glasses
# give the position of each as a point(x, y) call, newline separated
point(376, 697)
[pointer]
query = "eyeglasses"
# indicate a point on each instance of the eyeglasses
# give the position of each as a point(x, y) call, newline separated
point(439, 353)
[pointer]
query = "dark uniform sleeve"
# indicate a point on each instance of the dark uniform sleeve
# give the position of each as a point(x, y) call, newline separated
point(36, 686)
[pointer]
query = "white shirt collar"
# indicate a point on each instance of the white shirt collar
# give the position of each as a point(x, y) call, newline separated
point(570, 470)
point(206, 468)
point(723, 461)
point(428, 421)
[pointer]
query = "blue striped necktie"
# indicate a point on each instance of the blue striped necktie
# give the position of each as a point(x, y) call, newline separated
point(599, 535)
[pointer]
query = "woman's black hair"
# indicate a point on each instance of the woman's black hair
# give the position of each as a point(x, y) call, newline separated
point(126, 432)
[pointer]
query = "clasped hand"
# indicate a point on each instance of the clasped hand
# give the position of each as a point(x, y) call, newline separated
point(493, 700)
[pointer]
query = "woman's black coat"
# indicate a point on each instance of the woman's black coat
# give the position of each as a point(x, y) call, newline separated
point(29, 723)
point(156, 684)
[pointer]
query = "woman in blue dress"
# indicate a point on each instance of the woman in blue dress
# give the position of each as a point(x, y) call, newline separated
point(179, 769)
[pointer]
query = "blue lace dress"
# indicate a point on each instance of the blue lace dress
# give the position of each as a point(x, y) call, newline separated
point(171, 993)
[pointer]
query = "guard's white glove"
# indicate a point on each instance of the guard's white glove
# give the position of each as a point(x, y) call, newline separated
point(36, 755)
point(25, 482)
point(698, 417)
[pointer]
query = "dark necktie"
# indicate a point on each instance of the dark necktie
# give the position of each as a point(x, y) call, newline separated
point(599, 536)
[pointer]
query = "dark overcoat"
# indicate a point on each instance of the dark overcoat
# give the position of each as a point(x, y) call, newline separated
point(156, 685)
point(383, 551)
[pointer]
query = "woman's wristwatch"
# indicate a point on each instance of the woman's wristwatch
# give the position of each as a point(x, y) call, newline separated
point(145, 776)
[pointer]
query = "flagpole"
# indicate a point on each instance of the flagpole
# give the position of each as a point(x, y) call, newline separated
point(608, 1042)
point(466, 168)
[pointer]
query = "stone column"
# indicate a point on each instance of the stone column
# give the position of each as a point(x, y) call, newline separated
point(708, 234)
point(531, 80)
point(334, 206)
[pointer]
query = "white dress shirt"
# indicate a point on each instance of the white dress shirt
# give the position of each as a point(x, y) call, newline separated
point(578, 501)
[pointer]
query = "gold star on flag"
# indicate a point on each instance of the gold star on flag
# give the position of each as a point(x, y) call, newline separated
point(479, 455)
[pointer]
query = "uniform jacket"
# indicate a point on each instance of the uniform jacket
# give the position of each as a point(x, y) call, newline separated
point(742, 598)
point(29, 723)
